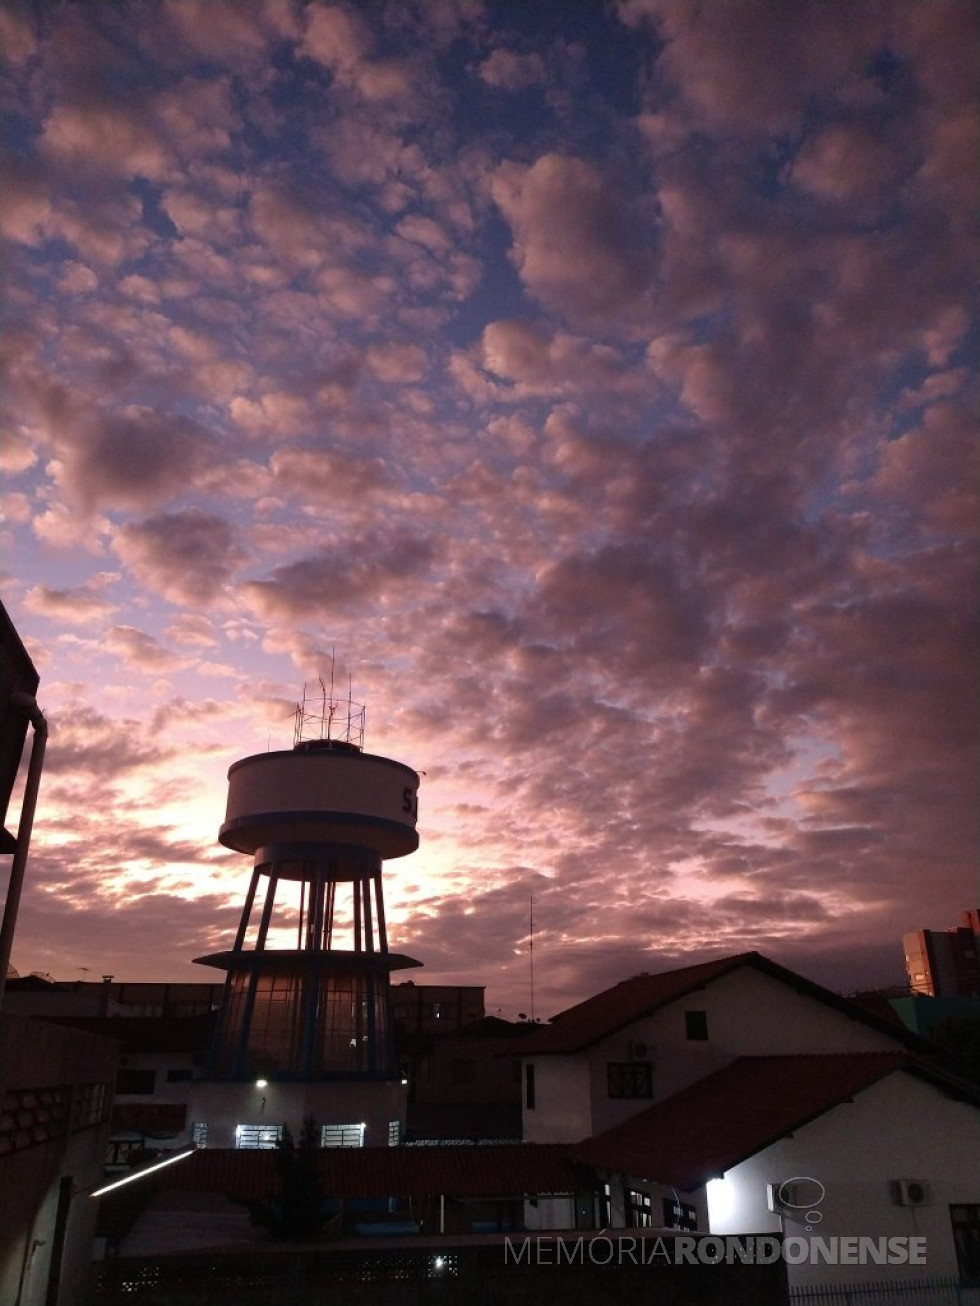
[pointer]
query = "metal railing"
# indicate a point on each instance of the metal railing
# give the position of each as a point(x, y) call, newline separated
point(943, 1291)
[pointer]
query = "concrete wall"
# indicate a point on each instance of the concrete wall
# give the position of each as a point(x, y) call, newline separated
point(35, 1055)
point(460, 1069)
point(564, 1101)
point(550, 1213)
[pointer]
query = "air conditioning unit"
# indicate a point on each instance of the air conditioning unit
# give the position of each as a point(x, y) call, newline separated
point(911, 1192)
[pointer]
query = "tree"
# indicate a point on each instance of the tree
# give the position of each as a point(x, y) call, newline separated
point(300, 1209)
point(959, 1044)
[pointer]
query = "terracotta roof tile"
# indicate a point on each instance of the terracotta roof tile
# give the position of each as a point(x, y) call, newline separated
point(154, 1119)
point(586, 1023)
point(723, 1119)
point(505, 1170)
point(168, 1034)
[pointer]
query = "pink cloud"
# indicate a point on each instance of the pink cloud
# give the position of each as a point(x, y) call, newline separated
point(17, 39)
point(849, 163)
point(341, 40)
point(344, 576)
point(232, 33)
point(107, 137)
point(140, 651)
point(25, 207)
point(83, 606)
point(509, 71)
point(933, 471)
point(186, 556)
point(331, 476)
point(397, 363)
point(748, 66)
point(572, 247)
point(131, 458)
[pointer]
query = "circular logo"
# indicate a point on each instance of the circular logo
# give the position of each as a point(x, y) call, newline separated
point(804, 1186)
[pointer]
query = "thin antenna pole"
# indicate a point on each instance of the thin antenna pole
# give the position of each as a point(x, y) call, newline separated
point(530, 953)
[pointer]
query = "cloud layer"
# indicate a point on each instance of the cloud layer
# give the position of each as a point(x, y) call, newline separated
point(596, 386)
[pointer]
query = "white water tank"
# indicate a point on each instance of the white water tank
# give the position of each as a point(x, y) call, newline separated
point(322, 792)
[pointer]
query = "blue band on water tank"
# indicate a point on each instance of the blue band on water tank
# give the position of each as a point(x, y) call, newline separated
point(319, 853)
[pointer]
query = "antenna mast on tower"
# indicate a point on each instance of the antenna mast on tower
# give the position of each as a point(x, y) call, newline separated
point(324, 721)
point(530, 953)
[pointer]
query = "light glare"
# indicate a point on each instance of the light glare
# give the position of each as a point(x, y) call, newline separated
point(138, 1174)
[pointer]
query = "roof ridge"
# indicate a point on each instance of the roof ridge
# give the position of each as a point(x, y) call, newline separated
point(893, 1053)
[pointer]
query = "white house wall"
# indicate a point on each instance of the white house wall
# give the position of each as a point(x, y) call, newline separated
point(564, 1110)
point(899, 1128)
point(549, 1213)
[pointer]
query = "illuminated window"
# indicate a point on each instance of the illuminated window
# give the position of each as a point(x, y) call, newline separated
point(605, 1207)
point(342, 1135)
point(264, 1137)
point(639, 1209)
point(629, 1078)
point(199, 1133)
point(124, 1151)
point(680, 1215)
point(394, 1133)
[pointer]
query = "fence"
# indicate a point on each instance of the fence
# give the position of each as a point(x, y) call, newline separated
point(441, 1273)
point(903, 1292)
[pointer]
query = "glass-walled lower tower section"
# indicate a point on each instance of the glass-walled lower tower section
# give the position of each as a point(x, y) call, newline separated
point(296, 1021)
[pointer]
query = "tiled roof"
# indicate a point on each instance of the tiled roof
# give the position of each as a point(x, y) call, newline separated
point(154, 1119)
point(723, 1119)
point(580, 1026)
point(504, 1170)
point(147, 1033)
point(463, 1120)
point(491, 1027)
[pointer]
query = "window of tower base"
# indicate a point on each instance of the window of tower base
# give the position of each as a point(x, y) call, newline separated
point(286, 1021)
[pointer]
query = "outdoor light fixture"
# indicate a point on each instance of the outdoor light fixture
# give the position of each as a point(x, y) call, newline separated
point(261, 1083)
point(138, 1174)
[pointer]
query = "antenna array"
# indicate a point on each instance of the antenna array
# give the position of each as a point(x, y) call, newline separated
point(325, 716)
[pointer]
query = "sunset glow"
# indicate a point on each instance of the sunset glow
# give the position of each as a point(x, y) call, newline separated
point(591, 384)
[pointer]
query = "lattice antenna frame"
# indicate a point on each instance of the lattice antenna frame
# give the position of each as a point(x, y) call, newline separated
point(325, 717)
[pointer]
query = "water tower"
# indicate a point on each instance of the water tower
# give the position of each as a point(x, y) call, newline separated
point(306, 996)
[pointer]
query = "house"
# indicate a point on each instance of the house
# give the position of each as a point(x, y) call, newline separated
point(465, 1085)
point(736, 1096)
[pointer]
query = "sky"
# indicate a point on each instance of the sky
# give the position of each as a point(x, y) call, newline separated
point(591, 386)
